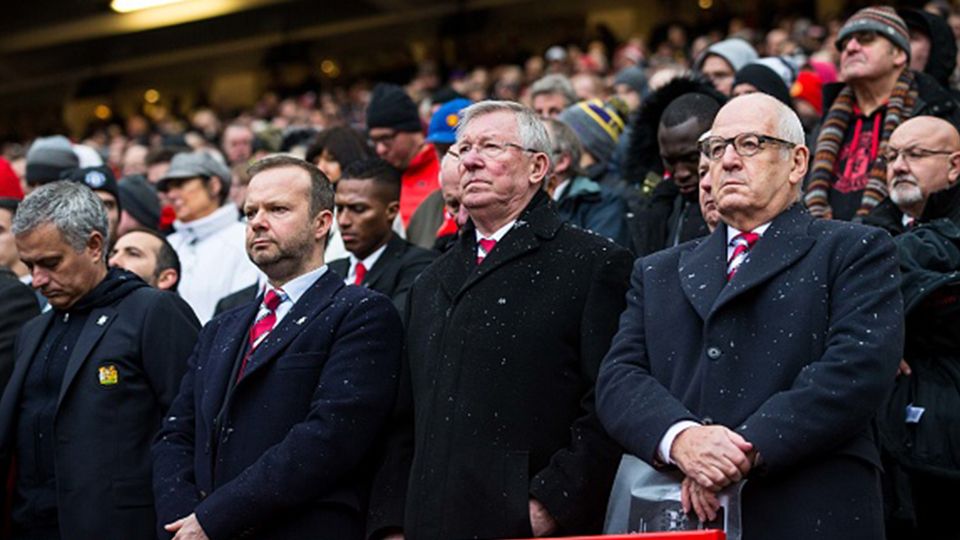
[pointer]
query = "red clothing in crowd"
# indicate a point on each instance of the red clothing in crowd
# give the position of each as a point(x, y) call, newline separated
point(419, 180)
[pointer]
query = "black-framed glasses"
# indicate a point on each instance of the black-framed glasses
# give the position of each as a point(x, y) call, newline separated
point(913, 153)
point(386, 139)
point(863, 37)
point(745, 144)
point(486, 149)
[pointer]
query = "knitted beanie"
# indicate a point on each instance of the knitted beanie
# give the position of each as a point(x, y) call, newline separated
point(48, 157)
point(737, 52)
point(391, 107)
point(140, 200)
point(765, 80)
point(597, 125)
point(880, 19)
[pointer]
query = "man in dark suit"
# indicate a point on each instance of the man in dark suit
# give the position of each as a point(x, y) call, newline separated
point(91, 381)
point(273, 432)
point(367, 200)
point(506, 332)
point(19, 305)
point(764, 350)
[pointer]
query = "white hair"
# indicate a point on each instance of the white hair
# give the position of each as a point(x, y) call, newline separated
point(533, 134)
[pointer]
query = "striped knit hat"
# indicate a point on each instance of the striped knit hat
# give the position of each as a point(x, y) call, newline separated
point(880, 19)
point(597, 125)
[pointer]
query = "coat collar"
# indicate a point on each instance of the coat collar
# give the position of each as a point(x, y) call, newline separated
point(703, 269)
point(395, 248)
point(459, 271)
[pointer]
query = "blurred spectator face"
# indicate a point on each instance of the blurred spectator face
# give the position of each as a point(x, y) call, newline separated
point(743, 89)
point(138, 252)
point(587, 86)
point(549, 105)
point(719, 72)
point(9, 256)
point(628, 95)
point(329, 165)
point(238, 184)
point(450, 190)
point(927, 160)
point(775, 41)
point(134, 160)
point(708, 206)
point(866, 56)
point(919, 50)
point(364, 215)
point(237, 144)
point(157, 171)
point(954, 21)
point(680, 155)
point(113, 213)
point(192, 198)
point(397, 148)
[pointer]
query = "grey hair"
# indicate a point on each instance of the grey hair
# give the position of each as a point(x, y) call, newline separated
point(554, 84)
point(789, 127)
point(565, 143)
point(533, 135)
point(73, 208)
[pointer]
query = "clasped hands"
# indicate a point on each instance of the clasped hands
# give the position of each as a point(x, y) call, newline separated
point(711, 458)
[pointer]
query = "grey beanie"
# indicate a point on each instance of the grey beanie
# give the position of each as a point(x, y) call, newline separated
point(48, 157)
point(735, 51)
point(597, 125)
point(634, 77)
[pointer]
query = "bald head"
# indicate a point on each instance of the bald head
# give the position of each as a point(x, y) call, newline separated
point(923, 157)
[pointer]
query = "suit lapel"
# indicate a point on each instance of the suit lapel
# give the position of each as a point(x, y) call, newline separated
point(702, 271)
point(230, 340)
point(93, 329)
point(341, 267)
point(783, 244)
point(313, 301)
point(387, 261)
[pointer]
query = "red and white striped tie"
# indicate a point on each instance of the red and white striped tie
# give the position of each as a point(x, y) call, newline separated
point(741, 247)
point(263, 326)
point(486, 246)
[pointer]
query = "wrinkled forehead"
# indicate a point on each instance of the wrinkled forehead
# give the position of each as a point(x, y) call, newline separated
point(745, 116)
point(925, 131)
point(500, 125)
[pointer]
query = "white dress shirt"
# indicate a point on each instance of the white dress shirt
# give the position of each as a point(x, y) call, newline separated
point(497, 236)
point(368, 263)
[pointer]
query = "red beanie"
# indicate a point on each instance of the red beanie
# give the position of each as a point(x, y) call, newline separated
point(809, 88)
point(10, 187)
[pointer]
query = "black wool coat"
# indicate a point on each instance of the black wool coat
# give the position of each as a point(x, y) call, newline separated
point(501, 366)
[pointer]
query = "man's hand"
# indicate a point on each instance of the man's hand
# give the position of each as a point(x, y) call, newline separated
point(904, 368)
point(541, 521)
point(187, 528)
point(713, 456)
point(394, 536)
point(703, 501)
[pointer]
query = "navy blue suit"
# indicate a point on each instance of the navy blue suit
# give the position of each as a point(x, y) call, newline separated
point(287, 451)
point(796, 354)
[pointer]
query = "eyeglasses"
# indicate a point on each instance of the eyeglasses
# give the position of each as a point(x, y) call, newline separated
point(488, 149)
point(914, 153)
point(745, 144)
point(863, 37)
point(385, 140)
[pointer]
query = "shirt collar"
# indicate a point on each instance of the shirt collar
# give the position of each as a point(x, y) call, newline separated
point(732, 233)
point(295, 288)
point(370, 260)
point(499, 234)
point(558, 192)
point(200, 229)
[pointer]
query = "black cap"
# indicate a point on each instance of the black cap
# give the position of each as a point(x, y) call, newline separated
point(140, 201)
point(99, 178)
point(391, 107)
point(766, 80)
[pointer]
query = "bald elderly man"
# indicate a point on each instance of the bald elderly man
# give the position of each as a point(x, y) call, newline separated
point(923, 164)
point(776, 362)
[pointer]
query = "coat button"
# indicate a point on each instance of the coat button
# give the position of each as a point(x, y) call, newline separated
point(714, 353)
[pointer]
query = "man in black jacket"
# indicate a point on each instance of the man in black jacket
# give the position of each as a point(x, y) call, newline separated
point(506, 332)
point(367, 201)
point(92, 378)
point(19, 305)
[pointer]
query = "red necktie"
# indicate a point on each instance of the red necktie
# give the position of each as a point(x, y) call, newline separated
point(263, 326)
point(486, 246)
point(361, 272)
point(741, 245)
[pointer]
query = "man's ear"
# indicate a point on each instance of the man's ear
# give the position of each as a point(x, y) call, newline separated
point(801, 160)
point(393, 208)
point(954, 172)
point(539, 167)
point(96, 245)
point(166, 279)
point(322, 224)
point(214, 187)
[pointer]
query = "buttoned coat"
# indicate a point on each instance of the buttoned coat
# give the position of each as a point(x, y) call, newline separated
point(795, 353)
point(502, 364)
point(286, 452)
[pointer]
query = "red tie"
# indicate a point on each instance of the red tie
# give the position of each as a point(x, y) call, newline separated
point(361, 272)
point(486, 246)
point(263, 326)
point(741, 245)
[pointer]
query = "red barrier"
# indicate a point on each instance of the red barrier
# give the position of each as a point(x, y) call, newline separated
point(683, 535)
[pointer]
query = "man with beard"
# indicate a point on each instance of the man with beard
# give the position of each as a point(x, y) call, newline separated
point(672, 216)
point(284, 400)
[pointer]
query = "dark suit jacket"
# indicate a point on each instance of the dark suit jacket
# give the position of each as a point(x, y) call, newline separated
point(104, 431)
point(394, 272)
point(283, 453)
point(18, 306)
point(502, 364)
point(237, 299)
point(795, 353)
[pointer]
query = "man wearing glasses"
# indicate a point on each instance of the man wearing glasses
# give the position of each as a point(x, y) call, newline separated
point(848, 178)
point(764, 350)
point(506, 333)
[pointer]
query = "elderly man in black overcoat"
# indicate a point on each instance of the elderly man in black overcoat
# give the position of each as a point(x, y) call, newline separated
point(764, 350)
point(506, 333)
